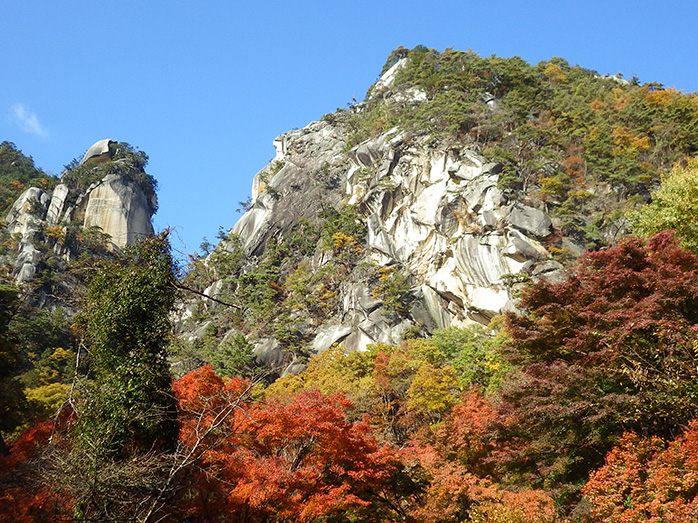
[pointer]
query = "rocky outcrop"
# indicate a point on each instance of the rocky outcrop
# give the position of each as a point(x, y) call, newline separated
point(117, 205)
point(100, 151)
point(439, 214)
point(432, 209)
point(24, 222)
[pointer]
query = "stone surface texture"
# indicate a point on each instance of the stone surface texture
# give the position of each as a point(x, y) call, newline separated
point(99, 152)
point(118, 207)
point(431, 209)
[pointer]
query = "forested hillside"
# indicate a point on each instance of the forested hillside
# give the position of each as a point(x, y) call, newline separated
point(470, 297)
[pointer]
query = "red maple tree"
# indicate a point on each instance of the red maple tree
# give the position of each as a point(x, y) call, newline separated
point(273, 460)
point(609, 349)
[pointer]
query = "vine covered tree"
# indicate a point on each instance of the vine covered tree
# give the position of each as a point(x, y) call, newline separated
point(127, 414)
point(12, 400)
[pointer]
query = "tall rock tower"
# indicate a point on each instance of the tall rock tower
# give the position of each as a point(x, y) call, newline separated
point(106, 195)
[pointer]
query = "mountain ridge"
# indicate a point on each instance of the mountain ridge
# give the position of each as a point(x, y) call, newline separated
point(470, 176)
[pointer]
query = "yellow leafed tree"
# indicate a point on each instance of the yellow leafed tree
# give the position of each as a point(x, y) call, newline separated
point(674, 206)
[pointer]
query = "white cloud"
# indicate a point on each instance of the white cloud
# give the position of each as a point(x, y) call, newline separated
point(28, 121)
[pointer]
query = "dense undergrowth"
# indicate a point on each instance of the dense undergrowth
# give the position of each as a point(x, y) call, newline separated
point(279, 293)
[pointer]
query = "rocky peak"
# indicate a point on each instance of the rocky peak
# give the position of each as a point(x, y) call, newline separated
point(115, 204)
point(442, 243)
point(429, 203)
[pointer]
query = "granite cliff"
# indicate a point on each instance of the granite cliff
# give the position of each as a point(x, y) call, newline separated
point(429, 204)
point(429, 240)
point(105, 201)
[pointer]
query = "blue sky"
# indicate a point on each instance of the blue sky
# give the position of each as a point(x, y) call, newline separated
point(204, 87)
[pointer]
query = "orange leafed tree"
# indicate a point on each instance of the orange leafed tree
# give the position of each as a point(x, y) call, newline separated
point(646, 479)
point(454, 460)
point(24, 498)
point(275, 460)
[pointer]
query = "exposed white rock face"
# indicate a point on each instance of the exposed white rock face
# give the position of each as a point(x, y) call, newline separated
point(25, 220)
point(118, 207)
point(386, 81)
point(99, 152)
point(280, 148)
point(442, 216)
point(57, 207)
point(305, 152)
point(529, 220)
point(434, 211)
point(26, 213)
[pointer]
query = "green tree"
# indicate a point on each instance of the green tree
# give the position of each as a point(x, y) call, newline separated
point(126, 328)
point(474, 354)
point(12, 400)
point(17, 173)
point(234, 357)
point(674, 206)
point(126, 416)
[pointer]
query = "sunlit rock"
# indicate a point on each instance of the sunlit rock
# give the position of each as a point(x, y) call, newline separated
point(100, 151)
point(432, 211)
point(119, 208)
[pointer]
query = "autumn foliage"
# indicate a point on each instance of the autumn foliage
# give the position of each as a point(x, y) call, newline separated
point(610, 349)
point(648, 479)
point(24, 498)
point(293, 460)
point(591, 418)
point(453, 457)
